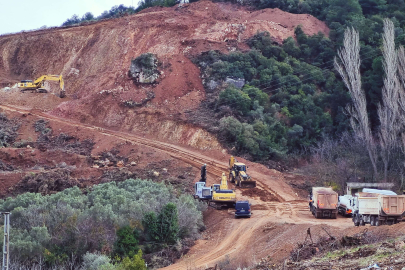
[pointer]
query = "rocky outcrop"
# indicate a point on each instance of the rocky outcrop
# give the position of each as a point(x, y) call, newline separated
point(143, 69)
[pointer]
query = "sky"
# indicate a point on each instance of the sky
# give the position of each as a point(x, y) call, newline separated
point(19, 15)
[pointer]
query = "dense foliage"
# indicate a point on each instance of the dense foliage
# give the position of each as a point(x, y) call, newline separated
point(306, 96)
point(111, 218)
point(287, 103)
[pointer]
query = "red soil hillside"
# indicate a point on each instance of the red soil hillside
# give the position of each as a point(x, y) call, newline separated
point(97, 57)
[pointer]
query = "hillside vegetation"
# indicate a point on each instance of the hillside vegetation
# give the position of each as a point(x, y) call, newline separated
point(116, 219)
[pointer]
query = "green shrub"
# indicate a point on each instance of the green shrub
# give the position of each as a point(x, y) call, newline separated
point(236, 99)
point(70, 222)
point(134, 263)
point(127, 241)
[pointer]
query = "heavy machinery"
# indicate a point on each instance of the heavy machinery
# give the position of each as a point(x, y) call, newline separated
point(38, 84)
point(378, 207)
point(218, 195)
point(238, 175)
point(221, 195)
point(323, 202)
point(346, 205)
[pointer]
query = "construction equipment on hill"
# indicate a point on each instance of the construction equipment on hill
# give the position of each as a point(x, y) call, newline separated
point(238, 175)
point(38, 84)
point(218, 195)
point(221, 195)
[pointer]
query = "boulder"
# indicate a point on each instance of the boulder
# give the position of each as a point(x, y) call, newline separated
point(238, 83)
point(143, 69)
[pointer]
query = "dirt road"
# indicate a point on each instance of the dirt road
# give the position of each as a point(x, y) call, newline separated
point(276, 206)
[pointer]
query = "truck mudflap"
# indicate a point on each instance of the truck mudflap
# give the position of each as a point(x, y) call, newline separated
point(247, 184)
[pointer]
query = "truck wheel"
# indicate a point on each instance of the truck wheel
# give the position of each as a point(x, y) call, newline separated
point(334, 216)
point(372, 221)
point(356, 220)
point(377, 221)
point(317, 214)
point(231, 178)
point(362, 222)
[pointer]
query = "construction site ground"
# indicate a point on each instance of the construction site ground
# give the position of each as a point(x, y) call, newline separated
point(154, 141)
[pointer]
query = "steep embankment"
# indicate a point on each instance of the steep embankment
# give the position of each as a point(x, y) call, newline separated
point(96, 57)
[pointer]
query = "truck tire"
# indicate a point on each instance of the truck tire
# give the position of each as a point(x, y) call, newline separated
point(362, 223)
point(372, 221)
point(334, 216)
point(317, 214)
point(356, 220)
point(377, 221)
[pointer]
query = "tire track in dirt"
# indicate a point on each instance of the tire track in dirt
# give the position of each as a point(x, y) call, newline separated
point(191, 158)
point(238, 232)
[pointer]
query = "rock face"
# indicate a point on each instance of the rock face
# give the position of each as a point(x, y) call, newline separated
point(143, 69)
point(238, 83)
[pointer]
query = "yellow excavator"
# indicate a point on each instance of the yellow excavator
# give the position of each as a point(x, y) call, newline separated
point(238, 175)
point(38, 84)
point(221, 195)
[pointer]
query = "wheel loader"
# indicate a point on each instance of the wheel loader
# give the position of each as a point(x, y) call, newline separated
point(38, 84)
point(238, 175)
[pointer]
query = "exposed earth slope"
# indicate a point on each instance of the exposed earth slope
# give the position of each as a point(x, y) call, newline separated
point(154, 140)
point(95, 59)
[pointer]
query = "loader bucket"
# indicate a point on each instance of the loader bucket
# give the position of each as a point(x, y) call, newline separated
point(247, 184)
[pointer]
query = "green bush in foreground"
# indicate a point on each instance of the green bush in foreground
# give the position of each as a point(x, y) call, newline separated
point(107, 218)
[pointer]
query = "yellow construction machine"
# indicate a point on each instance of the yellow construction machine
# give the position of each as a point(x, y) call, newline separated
point(221, 195)
point(38, 84)
point(238, 175)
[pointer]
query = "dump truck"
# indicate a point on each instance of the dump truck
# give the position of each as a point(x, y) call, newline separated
point(377, 209)
point(346, 205)
point(238, 175)
point(323, 202)
point(38, 84)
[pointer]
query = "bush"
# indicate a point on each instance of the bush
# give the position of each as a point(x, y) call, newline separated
point(70, 222)
point(127, 241)
point(95, 261)
point(236, 99)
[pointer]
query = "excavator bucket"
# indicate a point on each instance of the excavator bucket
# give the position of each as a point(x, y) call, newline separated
point(247, 184)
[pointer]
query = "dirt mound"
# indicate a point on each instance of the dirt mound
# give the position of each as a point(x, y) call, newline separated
point(262, 194)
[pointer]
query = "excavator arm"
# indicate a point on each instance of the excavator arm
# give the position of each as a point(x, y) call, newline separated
point(38, 84)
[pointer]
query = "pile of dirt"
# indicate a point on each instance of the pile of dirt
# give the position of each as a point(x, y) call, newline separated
point(48, 182)
point(260, 193)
